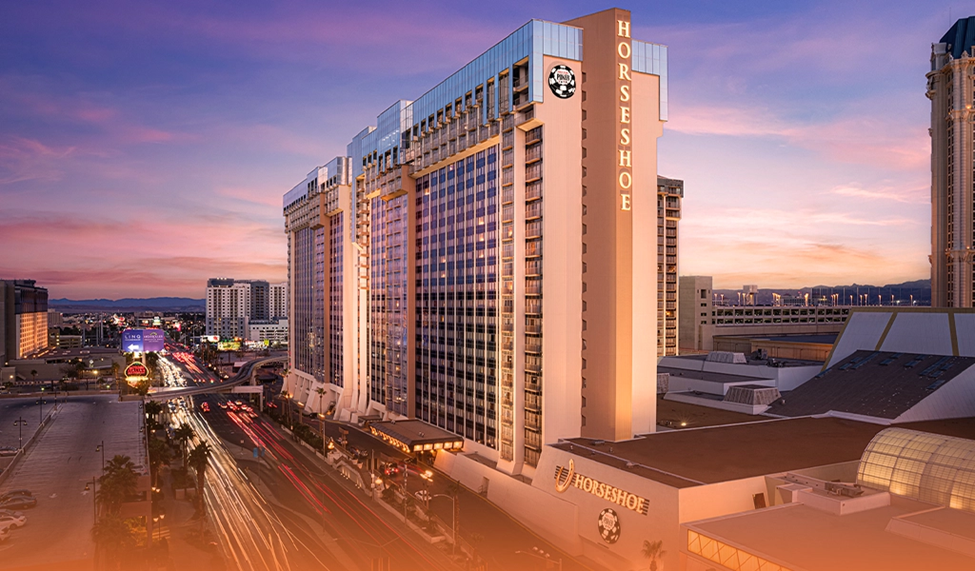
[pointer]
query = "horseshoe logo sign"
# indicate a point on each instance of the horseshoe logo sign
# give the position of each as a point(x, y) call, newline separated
point(564, 476)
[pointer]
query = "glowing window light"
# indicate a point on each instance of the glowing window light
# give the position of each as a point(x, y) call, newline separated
point(926, 467)
point(727, 555)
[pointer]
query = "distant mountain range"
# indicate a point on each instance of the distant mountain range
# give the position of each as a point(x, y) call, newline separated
point(917, 291)
point(129, 304)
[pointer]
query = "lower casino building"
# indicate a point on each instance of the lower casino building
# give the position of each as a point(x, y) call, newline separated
point(483, 259)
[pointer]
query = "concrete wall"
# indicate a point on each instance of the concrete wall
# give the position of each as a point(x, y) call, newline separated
point(549, 516)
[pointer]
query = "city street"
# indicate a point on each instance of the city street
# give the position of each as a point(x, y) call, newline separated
point(497, 537)
point(283, 510)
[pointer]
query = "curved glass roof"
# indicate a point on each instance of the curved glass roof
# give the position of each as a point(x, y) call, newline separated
point(923, 466)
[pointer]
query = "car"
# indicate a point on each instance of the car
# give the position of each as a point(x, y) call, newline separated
point(18, 502)
point(205, 407)
point(4, 534)
point(16, 493)
point(310, 414)
point(222, 405)
point(11, 513)
point(7, 521)
point(392, 470)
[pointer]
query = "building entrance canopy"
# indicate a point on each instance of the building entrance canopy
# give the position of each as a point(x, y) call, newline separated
point(413, 436)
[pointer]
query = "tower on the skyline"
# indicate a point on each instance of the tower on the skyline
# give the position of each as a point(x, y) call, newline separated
point(670, 192)
point(952, 226)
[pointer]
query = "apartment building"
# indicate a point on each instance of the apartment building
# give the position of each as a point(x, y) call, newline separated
point(231, 304)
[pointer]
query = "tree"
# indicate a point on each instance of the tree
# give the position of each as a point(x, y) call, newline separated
point(652, 550)
point(112, 534)
point(159, 454)
point(153, 409)
point(287, 398)
point(199, 457)
point(152, 360)
point(33, 376)
point(117, 484)
point(183, 434)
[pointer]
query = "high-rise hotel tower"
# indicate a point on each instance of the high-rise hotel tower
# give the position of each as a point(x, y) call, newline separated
point(952, 94)
point(497, 241)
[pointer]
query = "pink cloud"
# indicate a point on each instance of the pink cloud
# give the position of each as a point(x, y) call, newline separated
point(28, 159)
point(858, 139)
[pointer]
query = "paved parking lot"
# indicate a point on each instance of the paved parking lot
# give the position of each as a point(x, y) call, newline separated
point(58, 530)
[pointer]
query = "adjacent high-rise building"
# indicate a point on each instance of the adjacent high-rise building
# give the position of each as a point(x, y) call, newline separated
point(323, 263)
point(493, 253)
point(23, 319)
point(278, 301)
point(670, 192)
point(952, 173)
point(232, 304)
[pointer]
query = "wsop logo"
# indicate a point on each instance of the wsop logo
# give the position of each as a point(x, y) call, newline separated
point(609, 525)
point(562, 81)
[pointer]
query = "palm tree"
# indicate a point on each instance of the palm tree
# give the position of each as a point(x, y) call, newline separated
point(159, 454)
point(321, 413)
point(183, 434)
point(117, 484)
point(199, 458)
point(152, 360)
point(652, 550)
point(153, 408)
point(33, 376)
point(112, 534)
point(287, 398)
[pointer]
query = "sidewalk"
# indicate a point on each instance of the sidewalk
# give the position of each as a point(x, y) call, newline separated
point(180, 534)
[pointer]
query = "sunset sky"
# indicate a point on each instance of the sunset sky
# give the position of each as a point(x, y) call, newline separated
point(145, 147)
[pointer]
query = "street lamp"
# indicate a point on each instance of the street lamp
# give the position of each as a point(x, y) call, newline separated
point(453, 515)
point(21, 423)
point(94, 504)
point(539, 554)
point(101, 448)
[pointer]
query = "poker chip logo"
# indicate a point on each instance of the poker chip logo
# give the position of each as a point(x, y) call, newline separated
point(609, 525)
point(562, 81)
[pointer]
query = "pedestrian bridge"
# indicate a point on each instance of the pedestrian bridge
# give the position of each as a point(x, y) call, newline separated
point(245, 381)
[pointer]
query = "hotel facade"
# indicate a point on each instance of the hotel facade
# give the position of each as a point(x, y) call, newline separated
point(483, 258)
point(952, 176)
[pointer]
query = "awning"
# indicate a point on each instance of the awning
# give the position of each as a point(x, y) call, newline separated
point(416, 436)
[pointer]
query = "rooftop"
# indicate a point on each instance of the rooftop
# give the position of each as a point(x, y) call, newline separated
point(733, 452)
point(743, 450)
point(750, 360)
point(824, 339)
point(799, 536)
point(872, 383)
point(710, 376)
point(685, 415)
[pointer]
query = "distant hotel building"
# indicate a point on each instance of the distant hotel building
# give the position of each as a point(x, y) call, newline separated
point(23, 319)
point(952, 223)
point(232, 304)
point(670, 192)
point(707, 327)
point(483, 258)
